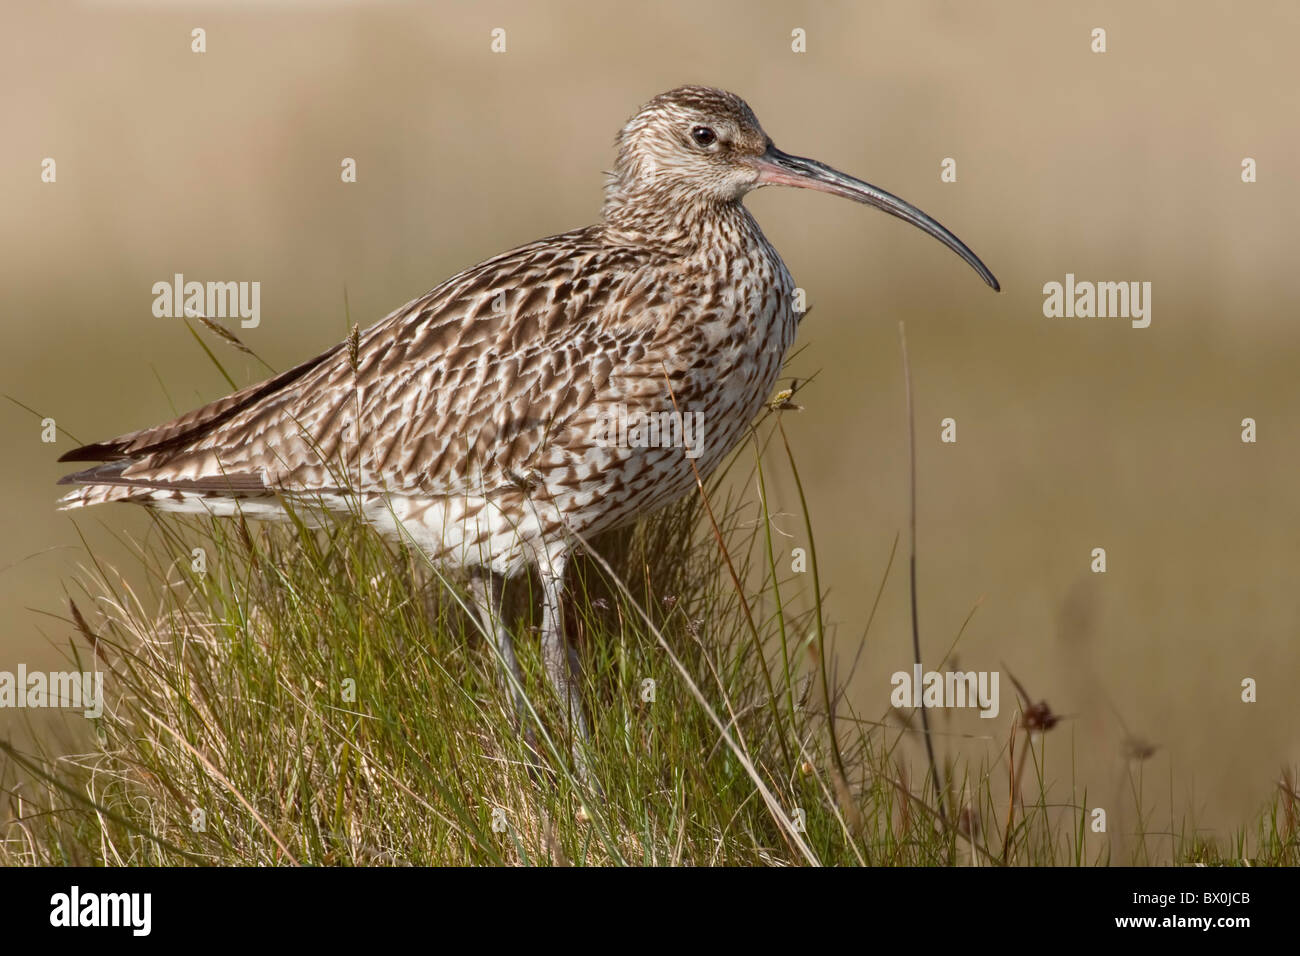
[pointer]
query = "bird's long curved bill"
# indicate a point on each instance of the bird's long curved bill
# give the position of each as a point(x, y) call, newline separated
point(781, 169)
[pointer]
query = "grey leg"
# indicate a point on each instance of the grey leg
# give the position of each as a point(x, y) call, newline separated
point(561, 669)
point(486, 594)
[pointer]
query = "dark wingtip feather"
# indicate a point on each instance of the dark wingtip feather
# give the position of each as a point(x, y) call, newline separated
point(99, 451)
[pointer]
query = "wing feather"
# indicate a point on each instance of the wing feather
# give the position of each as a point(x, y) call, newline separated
point(457, 392)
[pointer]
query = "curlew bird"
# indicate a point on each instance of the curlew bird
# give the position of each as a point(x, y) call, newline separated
point(475, 421)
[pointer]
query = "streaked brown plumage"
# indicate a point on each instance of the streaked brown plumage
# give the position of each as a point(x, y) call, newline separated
point(473, 420)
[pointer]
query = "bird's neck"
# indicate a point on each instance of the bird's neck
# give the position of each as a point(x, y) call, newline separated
point(678, 227)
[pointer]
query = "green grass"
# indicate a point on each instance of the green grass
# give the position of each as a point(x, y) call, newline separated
point(323, 697)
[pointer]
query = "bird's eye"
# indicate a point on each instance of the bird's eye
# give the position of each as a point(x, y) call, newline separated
point(704, 136)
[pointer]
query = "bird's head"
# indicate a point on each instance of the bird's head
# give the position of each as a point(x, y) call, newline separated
point(697, 146)
point(694, 142)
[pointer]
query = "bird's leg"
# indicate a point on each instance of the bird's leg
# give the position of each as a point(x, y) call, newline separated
point(485, 591)
point(561, 669)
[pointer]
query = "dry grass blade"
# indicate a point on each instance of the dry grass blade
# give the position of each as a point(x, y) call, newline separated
point(234, 791)
point(916, 630)
point(220, 330)
point(80, 799)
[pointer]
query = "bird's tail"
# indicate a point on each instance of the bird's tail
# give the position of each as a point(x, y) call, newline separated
point(87, 495)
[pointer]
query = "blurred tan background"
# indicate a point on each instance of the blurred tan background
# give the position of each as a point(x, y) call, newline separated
point(1073, 433)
